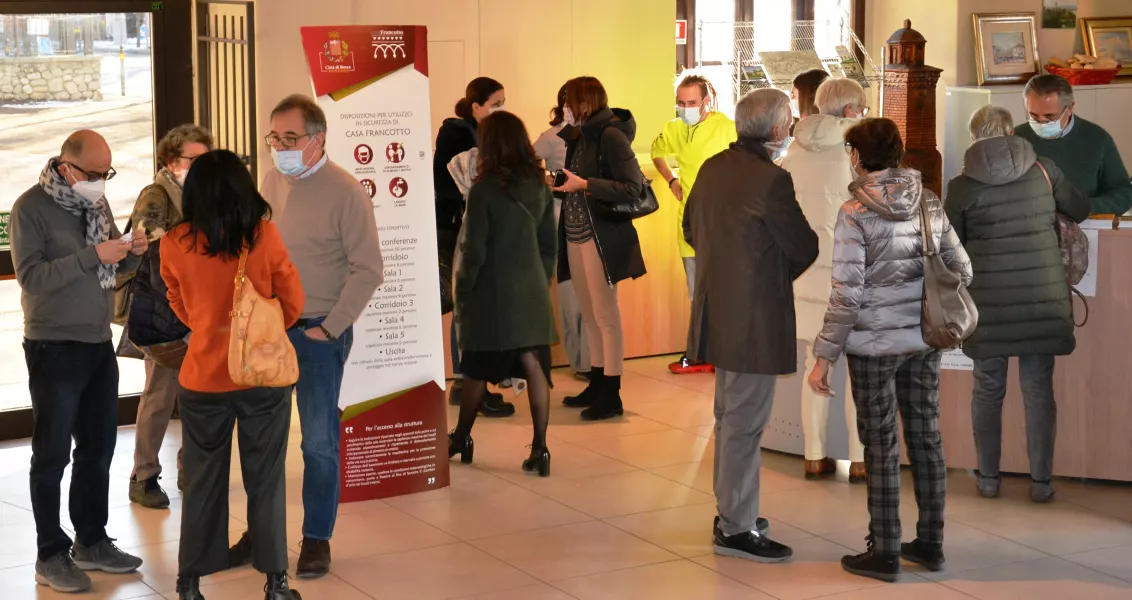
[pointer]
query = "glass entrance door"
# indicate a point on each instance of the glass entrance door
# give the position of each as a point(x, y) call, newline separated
point(115, 66)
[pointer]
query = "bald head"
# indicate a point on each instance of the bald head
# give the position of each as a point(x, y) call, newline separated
point(86, 150)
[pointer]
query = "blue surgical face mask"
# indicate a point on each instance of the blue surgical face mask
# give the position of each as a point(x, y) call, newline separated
point(689, 115)
point(289, 162)
point(1048, 130)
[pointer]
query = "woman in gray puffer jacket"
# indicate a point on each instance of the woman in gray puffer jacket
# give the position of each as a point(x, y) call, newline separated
point(874, 318)
point(1004, 211)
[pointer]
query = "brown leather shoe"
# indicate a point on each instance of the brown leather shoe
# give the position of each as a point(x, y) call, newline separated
point(314, 559)
point(857, 472)
point(817, 469)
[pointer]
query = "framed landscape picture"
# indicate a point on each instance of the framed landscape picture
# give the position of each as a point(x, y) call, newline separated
point(1111, 37)
point(1006, 47)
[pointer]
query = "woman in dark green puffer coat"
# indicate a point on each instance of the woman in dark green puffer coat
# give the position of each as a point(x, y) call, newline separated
point(1004, 208)
point(504, 320)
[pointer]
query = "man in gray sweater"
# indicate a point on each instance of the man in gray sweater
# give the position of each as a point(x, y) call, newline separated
point(67, 253)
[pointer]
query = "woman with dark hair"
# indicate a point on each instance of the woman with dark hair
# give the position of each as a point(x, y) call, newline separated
point(551, 148)
point(224, 215)
point(874, 318)
point(598, 252)
point(803, 94)
point(151, 325)
point(503, 308)
point(457, 135)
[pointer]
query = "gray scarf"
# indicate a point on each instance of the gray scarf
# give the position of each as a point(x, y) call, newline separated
point(95, 214)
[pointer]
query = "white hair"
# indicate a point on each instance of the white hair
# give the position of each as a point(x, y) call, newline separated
point(760, 111)
point(991, 121)
point(837, 93)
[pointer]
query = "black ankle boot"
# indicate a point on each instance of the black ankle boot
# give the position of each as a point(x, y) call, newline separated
point(462, 446)
point(188, 588)
point(608, 402)
point(495, 407)
point(590, 394)
point(538, 461)
point(873, 563)
point(278, 589)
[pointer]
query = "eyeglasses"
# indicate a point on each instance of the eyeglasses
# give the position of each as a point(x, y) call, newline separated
point(286, 142)
point(191, 159)
point(1048, 118)
point(93, 176)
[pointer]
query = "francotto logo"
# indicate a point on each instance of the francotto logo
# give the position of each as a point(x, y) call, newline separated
point(389, 44)
point(336, 56)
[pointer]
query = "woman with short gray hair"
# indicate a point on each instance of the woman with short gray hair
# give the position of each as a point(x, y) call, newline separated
point(820, 167)
point(1003, 207)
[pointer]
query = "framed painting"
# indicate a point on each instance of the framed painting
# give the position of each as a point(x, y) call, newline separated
point(1111, 37)
point(1006, 47)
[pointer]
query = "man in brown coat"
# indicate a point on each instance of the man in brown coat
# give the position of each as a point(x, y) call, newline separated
point(752, 241)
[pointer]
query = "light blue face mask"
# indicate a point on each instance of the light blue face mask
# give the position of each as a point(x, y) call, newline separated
point(289, 162)
point(1048, 130)
point(689, 115)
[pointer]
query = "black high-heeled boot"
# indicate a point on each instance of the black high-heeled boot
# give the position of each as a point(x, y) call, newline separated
point(538, 461)
point(608, 402)
point(278, 589)
point(464, 446)
point(188, 588)
point(592, 391)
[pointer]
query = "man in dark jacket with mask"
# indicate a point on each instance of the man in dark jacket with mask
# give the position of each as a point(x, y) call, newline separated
point(1003, 209)
point(752, 241)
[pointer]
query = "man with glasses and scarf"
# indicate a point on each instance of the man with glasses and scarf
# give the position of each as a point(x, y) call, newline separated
point(326, 219)
point(66, 251)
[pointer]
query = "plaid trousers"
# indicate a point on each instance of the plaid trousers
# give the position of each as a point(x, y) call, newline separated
point(882, 385)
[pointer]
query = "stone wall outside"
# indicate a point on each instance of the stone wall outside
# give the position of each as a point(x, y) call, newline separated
point(43, 78)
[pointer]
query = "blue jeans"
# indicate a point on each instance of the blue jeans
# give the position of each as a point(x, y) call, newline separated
point(321, 364)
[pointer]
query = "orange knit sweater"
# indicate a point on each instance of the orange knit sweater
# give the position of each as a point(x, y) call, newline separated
point(200, 292)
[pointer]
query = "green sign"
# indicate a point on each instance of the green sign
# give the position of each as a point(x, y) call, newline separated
point(5, 240)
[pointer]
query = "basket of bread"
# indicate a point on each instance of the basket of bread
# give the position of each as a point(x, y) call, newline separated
point(1081, 69)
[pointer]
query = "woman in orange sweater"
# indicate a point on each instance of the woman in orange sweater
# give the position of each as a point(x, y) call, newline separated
point(199, 258)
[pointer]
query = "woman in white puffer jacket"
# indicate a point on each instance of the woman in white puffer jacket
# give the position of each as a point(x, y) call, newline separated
point(820, 167)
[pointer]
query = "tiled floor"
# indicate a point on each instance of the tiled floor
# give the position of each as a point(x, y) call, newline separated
point(626, 515)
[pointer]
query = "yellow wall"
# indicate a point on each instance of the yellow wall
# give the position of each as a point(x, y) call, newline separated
point(531, 46)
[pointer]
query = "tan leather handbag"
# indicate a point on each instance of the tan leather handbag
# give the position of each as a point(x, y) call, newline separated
point(259, 352)
point(948, 315)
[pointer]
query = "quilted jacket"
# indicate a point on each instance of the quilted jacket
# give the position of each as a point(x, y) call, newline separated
point(878, 271)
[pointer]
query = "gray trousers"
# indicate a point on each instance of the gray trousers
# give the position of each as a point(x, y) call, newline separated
point(1036, 380)
point(264, 418)
point(154, 411)
point(743, 404)
point(690, 273)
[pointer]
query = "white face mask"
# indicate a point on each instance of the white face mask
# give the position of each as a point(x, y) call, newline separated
point(180, 176)
point(568, 116)
point(1050, 130)
point(494, 109)
point(794, 108)
point(91, 191)
point(689, 115)
point(289, 162)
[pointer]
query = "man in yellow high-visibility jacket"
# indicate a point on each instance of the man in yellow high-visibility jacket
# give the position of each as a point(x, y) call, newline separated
point(699, 132)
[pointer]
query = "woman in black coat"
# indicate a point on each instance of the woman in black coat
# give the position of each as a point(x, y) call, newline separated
point(503, 307)
point(457, 135)
point(594, 252)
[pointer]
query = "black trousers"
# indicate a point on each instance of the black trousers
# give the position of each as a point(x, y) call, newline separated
point(207, 420)
point(74, 393)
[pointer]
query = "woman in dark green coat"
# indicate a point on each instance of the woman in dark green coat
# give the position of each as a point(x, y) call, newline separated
point(504, 318)
point(1004, 209)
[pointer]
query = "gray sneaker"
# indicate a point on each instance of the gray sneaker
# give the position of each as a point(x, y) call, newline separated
point(60, 574)
point(1041, 491)
point(104, 556)
point(988, 486)
point(148, 493)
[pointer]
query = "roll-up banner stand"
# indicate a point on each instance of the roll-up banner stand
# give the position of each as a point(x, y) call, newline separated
point(372, 82)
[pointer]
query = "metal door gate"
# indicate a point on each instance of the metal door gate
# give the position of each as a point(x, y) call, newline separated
point(226, 75)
